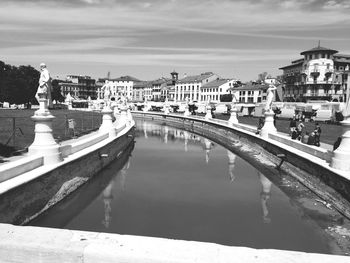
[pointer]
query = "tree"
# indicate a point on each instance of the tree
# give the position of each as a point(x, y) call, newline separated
point(18, 85)
point(56, 90)
point(262, 76)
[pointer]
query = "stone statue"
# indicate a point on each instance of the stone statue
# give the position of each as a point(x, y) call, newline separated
point(269, 98)
point(346, 111)
point(106, 89)
point(234, 98)
point(44, 89)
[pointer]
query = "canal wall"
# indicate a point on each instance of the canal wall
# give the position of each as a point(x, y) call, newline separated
point(308, 164)
point(28, 188)
point(34, 244)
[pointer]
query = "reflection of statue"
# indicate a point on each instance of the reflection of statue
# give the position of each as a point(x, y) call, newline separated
point(166, 133)
point(44, 89)
point(264, 196)
point(346, 111)
point(186, 135)
point(269, 98)
point(107, 200)
point(208, 145)
point(231, 164)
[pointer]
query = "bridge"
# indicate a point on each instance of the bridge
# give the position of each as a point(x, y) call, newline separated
point(50, 172)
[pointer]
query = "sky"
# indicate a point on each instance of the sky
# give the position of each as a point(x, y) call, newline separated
point(149, 39)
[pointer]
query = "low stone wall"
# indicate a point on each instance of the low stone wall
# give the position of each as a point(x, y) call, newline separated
point(310, 167)
point(20, 166)
point(33, 244)
point(32, 192)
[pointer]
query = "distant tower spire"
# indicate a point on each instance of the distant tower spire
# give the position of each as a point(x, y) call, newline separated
point(108, 75)
point(319, 43)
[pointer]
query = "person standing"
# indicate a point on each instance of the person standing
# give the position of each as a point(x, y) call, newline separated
point(44, 85)
point(292, 125)
point(317, 132)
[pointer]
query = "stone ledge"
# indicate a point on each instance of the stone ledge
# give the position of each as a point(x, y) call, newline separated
point(20, 166)
point(37, 244)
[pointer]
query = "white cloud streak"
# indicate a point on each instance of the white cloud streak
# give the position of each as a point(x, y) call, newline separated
point(115, 32)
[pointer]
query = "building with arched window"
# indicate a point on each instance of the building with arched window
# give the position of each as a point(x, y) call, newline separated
point(320, 75)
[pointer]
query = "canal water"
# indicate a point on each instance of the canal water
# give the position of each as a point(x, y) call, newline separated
point(179, 185)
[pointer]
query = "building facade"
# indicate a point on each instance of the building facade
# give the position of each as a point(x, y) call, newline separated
point(79, 87)
point(250, 92)
point(189, 87)
point(123, 86)
point(212, 91)
point(320, 75)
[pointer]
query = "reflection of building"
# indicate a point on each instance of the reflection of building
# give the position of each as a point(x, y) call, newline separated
point(231, 164)
point(264, 196)
point(319, 75)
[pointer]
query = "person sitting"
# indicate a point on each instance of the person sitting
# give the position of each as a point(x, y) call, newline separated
point(294, 134)
point(305, 138)
point(300, 130)
point(311, 140)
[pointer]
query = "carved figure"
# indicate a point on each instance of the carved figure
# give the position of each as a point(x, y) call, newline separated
point(44, 89)
point(106, 89)
point(269, 98)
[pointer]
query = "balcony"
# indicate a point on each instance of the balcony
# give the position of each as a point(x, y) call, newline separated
point(315, 74)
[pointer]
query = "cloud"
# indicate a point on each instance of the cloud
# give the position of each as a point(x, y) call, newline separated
point(164, 32)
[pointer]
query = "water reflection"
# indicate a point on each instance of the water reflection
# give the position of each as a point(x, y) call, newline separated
point(178, 185)
point(231, 165)
point(264, 196)
point(64, 212)
point(109, 191)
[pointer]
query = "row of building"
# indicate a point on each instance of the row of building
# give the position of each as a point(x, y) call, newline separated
point(321, 74)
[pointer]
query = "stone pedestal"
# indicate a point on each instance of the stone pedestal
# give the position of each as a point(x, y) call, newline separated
point(233, 118)
point(70, 105)
point(208, 113)
point(123, 115)
point(44, 143)
point(107, 120)
point(341, 157)
point(166, 109)
point(187, 112)
point(268, 127)
point(129, 116)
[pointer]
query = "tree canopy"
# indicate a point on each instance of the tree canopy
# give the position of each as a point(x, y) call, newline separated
point(18, 85)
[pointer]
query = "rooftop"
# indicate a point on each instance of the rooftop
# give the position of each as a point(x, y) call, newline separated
point(319, 49)
point(196, 78)
point(126, 78)
point(215, 83)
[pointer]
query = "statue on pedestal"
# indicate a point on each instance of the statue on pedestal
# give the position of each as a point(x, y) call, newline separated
point(44, 89)
point(269, 98)
point(107, 93)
